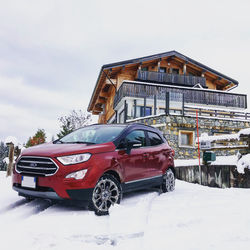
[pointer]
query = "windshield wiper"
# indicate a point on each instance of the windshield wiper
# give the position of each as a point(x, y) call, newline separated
point(80, 142)
point(57, 141)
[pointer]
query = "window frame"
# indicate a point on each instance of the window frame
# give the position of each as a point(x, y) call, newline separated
point(189, 132)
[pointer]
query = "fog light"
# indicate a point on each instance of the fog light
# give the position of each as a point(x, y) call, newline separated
point(77, 175)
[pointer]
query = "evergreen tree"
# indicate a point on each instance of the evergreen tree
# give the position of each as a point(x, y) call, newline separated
point(3, 154)
point(38, 138)
point(73, 121)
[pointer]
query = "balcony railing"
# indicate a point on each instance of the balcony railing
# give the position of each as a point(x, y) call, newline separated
point(182, 80)
point(190, 96)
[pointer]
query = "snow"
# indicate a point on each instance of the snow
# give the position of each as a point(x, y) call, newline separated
point(12, 139)
point(225, 137)
point(220, 160)
point(244, 162)
point(191, 217)
point(245, 131)
point(6, 160)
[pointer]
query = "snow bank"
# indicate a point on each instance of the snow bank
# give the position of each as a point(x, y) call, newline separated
point(220, 160)
point(245, 131)
point(226, 137)
point(243, 162)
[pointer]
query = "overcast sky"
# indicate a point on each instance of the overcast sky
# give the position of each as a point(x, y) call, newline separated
point(52, 51)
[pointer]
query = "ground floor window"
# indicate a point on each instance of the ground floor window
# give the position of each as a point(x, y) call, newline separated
point(186, 138)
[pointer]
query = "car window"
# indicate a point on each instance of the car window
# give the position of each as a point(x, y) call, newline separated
point(137, 135)
point(154, 139)
point(93, 134)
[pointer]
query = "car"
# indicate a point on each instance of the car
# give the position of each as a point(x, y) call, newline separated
point(95, 165)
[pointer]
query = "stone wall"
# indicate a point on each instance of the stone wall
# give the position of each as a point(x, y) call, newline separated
point(172, 125)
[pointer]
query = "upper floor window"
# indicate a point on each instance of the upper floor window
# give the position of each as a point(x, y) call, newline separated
point(154, 139)
point(144, 69)
point(175, 71)
point(162, 70)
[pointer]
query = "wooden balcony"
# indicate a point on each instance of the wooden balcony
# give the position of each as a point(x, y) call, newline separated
point(190, 95)
point(172, 79)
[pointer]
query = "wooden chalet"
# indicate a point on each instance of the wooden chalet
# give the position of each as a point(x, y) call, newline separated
point(161, 83)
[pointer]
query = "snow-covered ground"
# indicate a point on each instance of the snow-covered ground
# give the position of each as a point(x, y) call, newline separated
point(191, 217)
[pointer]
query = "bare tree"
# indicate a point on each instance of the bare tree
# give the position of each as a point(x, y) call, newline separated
point(73, 121)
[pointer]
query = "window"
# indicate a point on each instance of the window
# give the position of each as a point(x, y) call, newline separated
point(137, 135)
point(140, 111)
point(93, 134)
point(191, 74)
point(186, 138)
point(154, 139)
point(144, 69)
point(121, 117)
point(162, 70)
point(162, 110)
point(175, 71)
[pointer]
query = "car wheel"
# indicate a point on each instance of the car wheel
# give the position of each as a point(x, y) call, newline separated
point(168, 184)
point(107, 192)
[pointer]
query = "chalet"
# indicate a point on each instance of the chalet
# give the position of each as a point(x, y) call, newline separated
point(169, 91)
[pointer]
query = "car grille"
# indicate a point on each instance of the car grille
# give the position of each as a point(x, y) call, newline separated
point(40, 166)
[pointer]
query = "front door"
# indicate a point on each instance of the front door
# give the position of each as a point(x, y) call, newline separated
point(134, 165)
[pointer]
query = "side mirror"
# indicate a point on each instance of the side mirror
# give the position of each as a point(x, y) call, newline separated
point(132, 144)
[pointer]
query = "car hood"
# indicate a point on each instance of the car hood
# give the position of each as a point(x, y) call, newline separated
point(54, 150)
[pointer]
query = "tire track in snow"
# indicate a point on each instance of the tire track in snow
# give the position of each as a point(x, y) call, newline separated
point(14, 205)
point(24, 209)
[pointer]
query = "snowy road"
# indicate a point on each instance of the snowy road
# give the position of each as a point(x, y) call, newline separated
point(191, 217)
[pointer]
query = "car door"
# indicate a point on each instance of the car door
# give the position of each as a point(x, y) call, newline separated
point(133, 164)
point(158, 154)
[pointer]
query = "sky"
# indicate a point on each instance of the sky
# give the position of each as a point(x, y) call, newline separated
point(51, 51)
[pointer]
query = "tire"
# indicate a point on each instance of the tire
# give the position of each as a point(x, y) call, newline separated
point(107, 192)
point(168, 184)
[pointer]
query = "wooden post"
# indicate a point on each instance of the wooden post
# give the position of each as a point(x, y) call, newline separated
point(183, 105)
point(144, 109)
point(134, 108)
point(11, 159)
point(125, 111)
point(167, 104)
point(158, 65)
point(184, 69)
point(116, 116)
point(155, 103)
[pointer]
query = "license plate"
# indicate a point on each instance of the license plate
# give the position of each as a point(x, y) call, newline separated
point(28, 181)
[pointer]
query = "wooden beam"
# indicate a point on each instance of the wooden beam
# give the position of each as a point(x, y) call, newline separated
point(101, 100)
point(95, 113)
point(104, 94)
point(97, 109)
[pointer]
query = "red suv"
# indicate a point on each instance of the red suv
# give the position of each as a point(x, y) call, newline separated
point(96, 165)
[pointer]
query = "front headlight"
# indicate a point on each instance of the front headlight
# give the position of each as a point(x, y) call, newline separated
point(74, 159)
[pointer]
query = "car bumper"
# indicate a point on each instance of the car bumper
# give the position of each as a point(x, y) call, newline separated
point(80, 195)
point(37, 194)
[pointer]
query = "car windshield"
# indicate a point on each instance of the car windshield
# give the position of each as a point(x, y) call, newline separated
point(93, 134)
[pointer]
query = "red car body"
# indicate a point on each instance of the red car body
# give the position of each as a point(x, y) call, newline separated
point(143, 166)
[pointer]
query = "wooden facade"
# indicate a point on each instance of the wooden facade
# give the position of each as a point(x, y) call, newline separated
point(170, 69)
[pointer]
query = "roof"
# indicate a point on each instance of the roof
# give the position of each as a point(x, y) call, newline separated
point(167, 54)
point(172, 53)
